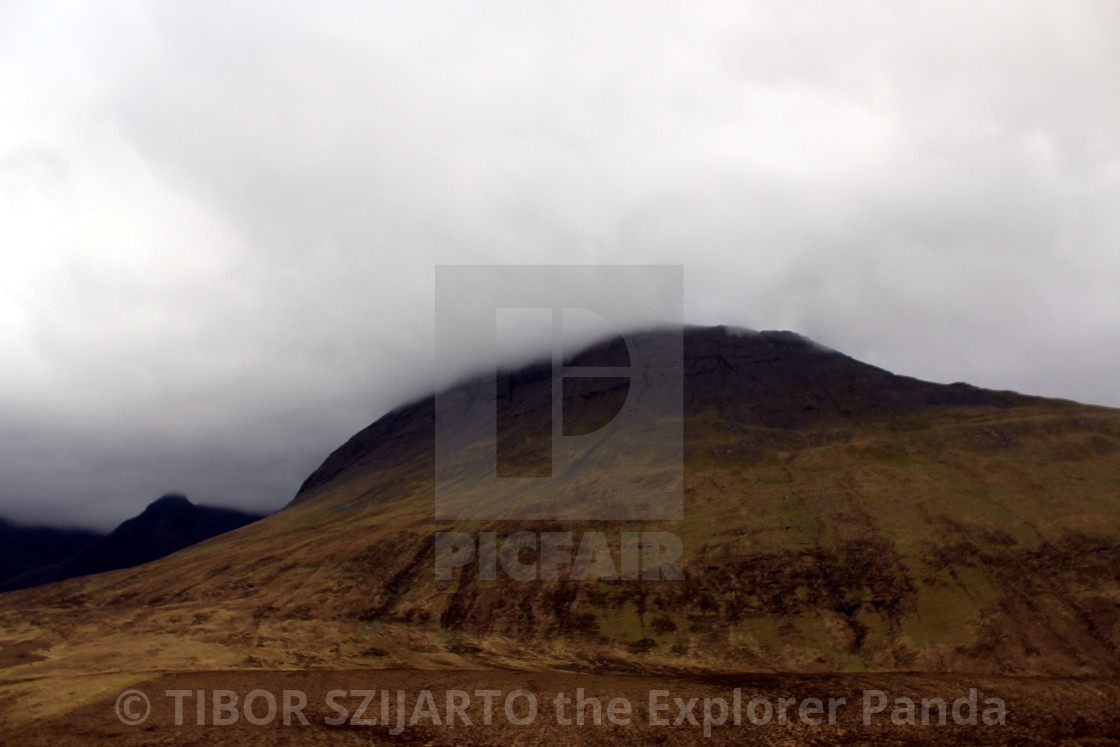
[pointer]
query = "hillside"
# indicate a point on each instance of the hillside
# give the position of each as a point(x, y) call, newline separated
point(837, 518)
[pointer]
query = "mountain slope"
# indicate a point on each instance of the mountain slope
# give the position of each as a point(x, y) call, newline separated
point(26, 548)
point(837, 517)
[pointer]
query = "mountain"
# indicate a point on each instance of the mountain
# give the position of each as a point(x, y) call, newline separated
point(836, 518)
point(772, 380)
point(167, 525)
point(26, 548)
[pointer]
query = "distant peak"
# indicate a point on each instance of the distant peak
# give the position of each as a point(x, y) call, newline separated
point(170, 500)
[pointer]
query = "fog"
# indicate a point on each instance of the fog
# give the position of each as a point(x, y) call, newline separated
point(220, 222)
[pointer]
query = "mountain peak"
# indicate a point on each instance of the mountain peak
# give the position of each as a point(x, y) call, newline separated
point(770, 379)
point(170, 500)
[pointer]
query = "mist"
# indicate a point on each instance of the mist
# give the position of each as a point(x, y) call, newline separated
point(220, 223)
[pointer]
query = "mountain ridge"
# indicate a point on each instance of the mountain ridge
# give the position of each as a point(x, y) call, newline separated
point(25, 548)
point(166, 525)
point(405, 432)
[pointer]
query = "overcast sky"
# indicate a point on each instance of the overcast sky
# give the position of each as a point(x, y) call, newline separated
point(220, 221)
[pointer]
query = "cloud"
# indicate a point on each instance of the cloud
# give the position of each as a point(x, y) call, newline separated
point(220, 222)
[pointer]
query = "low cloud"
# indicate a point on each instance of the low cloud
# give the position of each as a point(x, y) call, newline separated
point(220, 223)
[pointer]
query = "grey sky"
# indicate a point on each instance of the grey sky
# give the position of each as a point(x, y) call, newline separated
point(219, 222)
